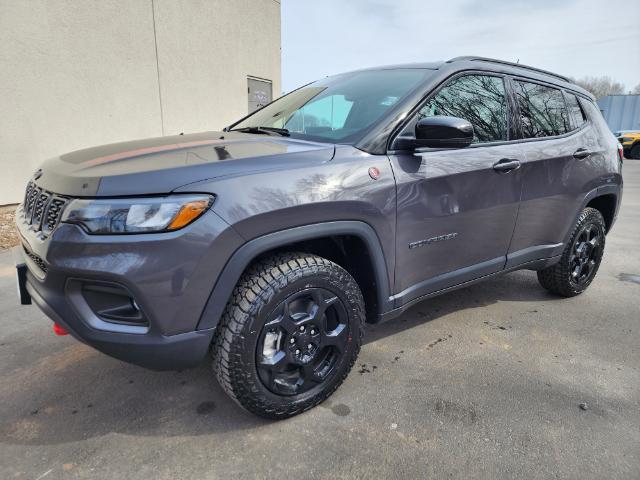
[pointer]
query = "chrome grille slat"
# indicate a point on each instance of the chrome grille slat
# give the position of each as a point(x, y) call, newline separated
point(30, 187)
point(38, 210)
point(30, 202)
point(54, 213)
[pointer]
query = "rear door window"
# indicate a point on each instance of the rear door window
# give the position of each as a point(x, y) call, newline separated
point(543, 112)
point(576, 114)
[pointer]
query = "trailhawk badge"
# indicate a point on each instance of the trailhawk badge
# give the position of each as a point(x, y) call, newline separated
point(429, 241)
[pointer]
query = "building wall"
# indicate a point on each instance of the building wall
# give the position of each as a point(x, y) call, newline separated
point(622, 112)
point(79, 73)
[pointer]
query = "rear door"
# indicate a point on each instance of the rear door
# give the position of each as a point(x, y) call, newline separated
point(456, 211)
point(556, 168)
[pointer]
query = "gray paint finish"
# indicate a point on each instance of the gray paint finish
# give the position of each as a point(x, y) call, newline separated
point(272, 190)
point(454, 191)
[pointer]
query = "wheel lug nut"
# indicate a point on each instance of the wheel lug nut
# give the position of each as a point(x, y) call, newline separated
point(312, 332)
point(297, 351)
point(302, 328)
point(309, 346)
point(292, 340)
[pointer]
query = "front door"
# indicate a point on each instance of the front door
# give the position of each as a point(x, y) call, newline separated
point(457, 208)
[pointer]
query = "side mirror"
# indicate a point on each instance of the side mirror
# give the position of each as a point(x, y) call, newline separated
point(443, 132)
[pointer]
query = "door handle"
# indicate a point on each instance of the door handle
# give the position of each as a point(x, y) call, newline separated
point(506, 165)
point(581, 154)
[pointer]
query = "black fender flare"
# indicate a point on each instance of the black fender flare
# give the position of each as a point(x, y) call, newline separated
point(244, 255)
point(611, 189)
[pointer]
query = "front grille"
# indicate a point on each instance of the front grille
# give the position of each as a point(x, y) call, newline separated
point(42, 209)
point(36, 259)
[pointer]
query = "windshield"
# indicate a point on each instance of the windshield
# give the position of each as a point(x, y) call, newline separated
point(338, 109)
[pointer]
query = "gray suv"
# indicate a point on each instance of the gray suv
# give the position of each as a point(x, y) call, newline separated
point(271, 244)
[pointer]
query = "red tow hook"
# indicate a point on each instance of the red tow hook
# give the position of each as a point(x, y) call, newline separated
point(58, 330)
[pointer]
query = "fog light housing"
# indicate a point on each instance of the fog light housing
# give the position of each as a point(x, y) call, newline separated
point(113, 303)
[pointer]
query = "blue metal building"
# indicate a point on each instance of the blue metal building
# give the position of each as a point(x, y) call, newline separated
point(622, 112)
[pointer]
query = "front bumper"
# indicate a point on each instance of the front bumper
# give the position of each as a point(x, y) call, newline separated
point(170, 276)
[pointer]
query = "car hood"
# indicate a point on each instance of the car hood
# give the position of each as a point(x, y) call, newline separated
point(160, 165)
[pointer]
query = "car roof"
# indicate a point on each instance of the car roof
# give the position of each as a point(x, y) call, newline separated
point(483, 63)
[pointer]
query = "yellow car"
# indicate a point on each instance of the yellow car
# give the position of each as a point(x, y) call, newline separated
point(630, 140)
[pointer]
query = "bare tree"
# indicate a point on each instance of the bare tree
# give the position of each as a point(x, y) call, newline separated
point(636, 90)
point(601, 86)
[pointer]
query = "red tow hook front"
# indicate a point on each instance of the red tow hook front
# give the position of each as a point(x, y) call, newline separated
point(58, 330)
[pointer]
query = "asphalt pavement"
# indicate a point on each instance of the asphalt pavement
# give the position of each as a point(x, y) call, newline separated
point(497, 380)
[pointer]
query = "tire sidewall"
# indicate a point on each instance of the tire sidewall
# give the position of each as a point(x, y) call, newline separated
point(594, 218)
point(287, 286)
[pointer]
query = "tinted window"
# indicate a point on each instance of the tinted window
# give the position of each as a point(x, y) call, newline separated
point(339, 108)
point(576, 115)
point(543, 112)
point(479, 99)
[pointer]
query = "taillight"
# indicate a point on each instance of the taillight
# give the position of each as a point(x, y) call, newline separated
point(620, 152)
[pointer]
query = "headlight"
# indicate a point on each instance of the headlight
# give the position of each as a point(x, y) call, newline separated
point(136, 215)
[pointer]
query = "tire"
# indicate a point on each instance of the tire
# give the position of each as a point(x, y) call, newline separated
point(580, 259)
point(634, 153)
point(282, 305)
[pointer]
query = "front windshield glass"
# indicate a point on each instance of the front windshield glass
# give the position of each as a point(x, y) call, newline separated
point(340, 108)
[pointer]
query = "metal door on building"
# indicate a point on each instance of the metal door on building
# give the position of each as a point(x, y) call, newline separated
point(260, 93)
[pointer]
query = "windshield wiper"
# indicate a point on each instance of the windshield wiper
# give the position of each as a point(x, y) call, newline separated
point(264, 130)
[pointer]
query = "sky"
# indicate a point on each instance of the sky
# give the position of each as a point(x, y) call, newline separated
point(570, 37)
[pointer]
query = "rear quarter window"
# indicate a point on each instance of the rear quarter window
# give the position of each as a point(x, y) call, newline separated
point(594, 114)
point(543, 112)
point(576, 114)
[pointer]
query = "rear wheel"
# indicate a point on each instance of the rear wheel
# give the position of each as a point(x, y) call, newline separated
point(581, 257)
point(634, 153)
point(289, 335)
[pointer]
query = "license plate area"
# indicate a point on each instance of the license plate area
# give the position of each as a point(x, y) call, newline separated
point(21, 278)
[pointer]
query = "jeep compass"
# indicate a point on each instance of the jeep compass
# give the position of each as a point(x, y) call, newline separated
point(270, 244)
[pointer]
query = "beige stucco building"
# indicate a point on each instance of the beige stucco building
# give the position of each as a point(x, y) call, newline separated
point(77, 73)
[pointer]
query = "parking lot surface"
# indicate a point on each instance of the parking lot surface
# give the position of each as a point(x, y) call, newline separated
point(497, 380)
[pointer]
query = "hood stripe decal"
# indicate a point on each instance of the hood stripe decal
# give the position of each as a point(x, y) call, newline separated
point(148, 150)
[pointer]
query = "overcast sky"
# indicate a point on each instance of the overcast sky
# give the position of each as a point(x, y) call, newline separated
point(570, 37)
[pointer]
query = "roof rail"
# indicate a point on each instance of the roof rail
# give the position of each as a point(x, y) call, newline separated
point(503, 62)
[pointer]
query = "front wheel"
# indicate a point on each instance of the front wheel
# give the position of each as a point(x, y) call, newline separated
point(289, 335)
point(581, 257)
point(634, 153)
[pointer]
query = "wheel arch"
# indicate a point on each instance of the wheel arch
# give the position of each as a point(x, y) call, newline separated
point(353, 245)
point(606, 196)
point(606, 205)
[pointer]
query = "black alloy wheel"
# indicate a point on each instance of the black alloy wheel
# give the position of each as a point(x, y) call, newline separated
point(586, 254)
point(302, 341)
point(290, 334)
point(580, 260)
